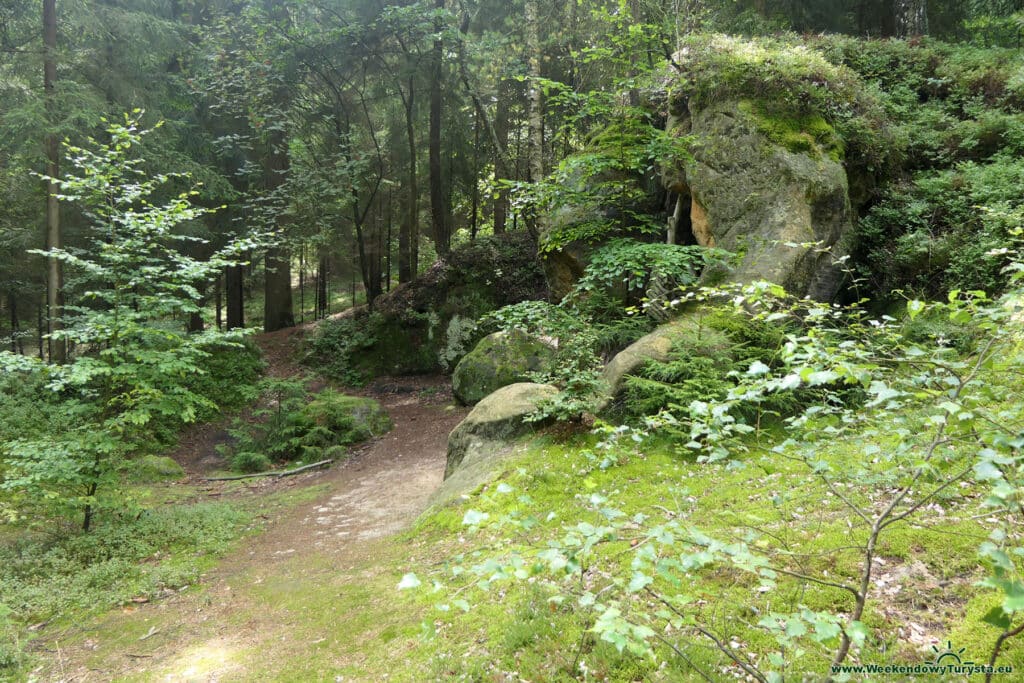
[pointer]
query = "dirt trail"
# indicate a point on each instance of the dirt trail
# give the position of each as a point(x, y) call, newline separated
point(378, 491)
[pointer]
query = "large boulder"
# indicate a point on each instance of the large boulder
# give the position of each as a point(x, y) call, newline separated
point(769, 186)
point(495, 421)
point(499, 359)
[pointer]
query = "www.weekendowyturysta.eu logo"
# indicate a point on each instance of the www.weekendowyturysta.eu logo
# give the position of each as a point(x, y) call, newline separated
point(948, 661)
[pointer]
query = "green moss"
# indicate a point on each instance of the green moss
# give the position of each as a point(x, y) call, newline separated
point(806, 133)
point(153, 468)
point(834, 108)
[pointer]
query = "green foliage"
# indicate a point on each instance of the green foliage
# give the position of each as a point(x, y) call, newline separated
point(294, 425)
point(595, 319)
point(782, 74)
point(945, 230)
point(134, 374)
point(631, 264)
point(335, 343)
point(604, 190)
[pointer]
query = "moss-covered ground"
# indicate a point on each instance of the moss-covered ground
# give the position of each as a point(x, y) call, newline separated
point(329, 616)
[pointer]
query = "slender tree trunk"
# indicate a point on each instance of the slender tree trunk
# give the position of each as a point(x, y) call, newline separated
point(277, 302)
point(408, 235)
point(12, 304)
point(476, 178)
point(54, 271)
point(535, 119)
point(438, 210)
point(218, 297)
point(501, 132)
point(387, 280)
point(322, 273)
point(911, 18)
point(234, 286)
point(40, 328)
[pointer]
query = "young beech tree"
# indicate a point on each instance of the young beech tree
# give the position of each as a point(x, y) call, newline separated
point(134, 362)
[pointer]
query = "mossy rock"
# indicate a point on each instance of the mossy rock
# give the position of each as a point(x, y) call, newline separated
point(335, 419)
point(499, 359)
point(496, 421)
point(766, 184)
point(152, 469)
point(407, 333)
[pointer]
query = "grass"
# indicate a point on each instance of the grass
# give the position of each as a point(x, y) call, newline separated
point(55, 577)
point(321, 618)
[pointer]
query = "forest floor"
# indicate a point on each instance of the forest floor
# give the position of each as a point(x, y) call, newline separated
point(241, 612)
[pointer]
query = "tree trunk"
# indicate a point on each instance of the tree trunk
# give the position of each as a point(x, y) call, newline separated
point(219, 301)
point(277, 301)
point(535, 119)
point(322, 272)
point(438, 210)
point(54, 272)
point(234, 291)
point(12, 303)
point(408, 235)
point(391, 204)
point(911, 18)
point(501, 132)
point(475, 211)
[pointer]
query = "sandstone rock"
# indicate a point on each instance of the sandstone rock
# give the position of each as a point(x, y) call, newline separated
point(495, 421)
point(781, 208)
point(499, 359)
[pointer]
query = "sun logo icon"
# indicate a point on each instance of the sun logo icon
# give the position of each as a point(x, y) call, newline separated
point(949, 655)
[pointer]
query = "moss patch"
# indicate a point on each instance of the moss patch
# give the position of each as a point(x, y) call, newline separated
point(799, 133)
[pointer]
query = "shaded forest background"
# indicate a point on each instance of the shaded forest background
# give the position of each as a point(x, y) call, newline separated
point(365, 138)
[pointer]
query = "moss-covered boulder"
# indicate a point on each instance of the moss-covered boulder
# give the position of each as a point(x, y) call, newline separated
point(495, 421)
point(768, 185)
point(690, 330)
point(499, 359)
point(151, 468)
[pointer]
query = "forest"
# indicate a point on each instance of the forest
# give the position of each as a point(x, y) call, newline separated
point(595, 340)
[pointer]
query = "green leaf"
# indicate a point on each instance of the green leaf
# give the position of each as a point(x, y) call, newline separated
point(639, 582)
point(914, 308)
point(408, 581)
point(986, 471)
point(474, 518)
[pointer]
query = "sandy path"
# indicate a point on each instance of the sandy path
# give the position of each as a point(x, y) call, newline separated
point(378, 491)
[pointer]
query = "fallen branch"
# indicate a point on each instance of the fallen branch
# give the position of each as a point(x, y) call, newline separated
point(272, 473)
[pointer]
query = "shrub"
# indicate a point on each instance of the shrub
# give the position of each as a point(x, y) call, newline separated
point(297, 426)
point(933, 235)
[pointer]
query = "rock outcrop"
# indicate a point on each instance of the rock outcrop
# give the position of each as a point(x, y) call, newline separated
point(498, 360)
point(425, 326)
point(779, 200)
point(495, 421)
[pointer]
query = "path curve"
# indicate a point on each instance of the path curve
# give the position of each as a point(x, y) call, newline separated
point(376, 492)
